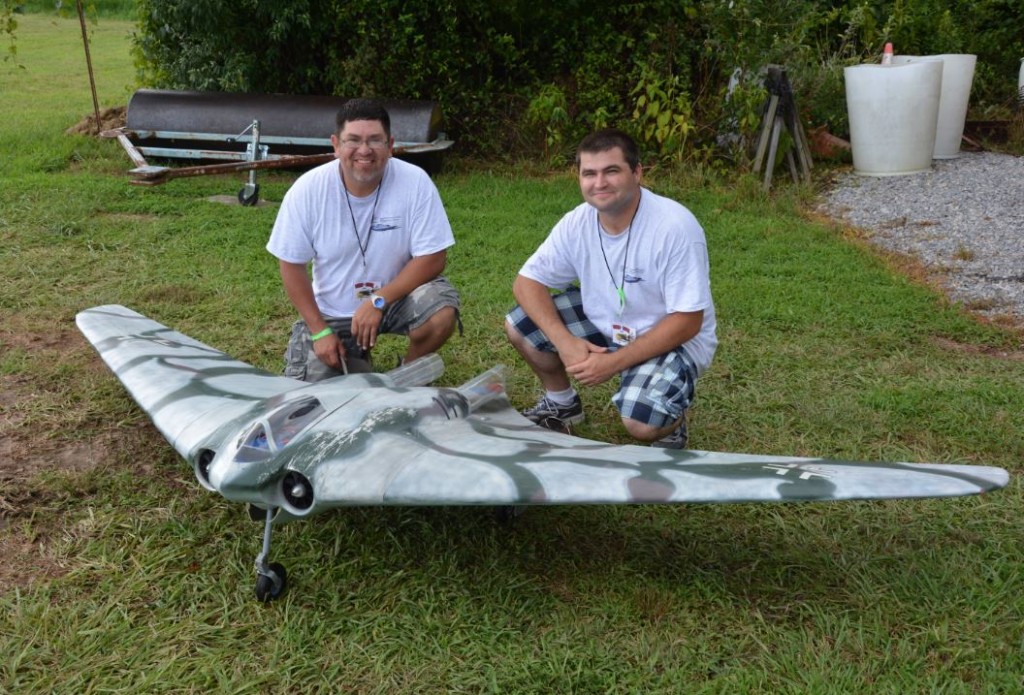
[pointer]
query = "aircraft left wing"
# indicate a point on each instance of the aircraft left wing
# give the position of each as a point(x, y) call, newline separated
point(187, 388)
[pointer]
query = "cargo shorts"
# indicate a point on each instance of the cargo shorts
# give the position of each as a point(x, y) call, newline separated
point(401, 317)
point(656, 392)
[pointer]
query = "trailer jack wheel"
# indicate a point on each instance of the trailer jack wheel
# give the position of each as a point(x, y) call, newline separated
point(249, 194)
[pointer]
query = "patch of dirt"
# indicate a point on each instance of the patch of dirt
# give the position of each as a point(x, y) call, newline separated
point(233, 200)
point(53, 451)
point(114, 117)
point(24, 455)
point(35, 442)
point(986, 350)
point(28, 552)
point(36, 424)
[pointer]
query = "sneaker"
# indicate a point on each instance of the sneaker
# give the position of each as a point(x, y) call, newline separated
point(552, 416)
point(676, 439)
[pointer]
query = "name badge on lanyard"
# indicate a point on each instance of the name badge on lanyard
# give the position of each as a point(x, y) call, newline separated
point(365, 288)
point(622, 334)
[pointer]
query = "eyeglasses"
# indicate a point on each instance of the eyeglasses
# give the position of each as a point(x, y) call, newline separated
point(372, 143)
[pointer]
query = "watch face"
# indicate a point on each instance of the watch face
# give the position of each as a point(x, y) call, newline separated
point(379, 302)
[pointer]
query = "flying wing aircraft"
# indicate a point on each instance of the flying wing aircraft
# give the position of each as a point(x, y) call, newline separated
point(291, 449)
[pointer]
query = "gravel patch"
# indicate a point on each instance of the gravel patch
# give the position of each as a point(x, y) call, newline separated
point(963, 220)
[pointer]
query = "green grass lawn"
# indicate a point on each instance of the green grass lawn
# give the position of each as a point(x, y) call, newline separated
point(122, 575)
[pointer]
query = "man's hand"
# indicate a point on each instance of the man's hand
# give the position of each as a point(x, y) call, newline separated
point(572, 350)
point(366, 324)
point(596, 367)
point(589, 364)
point(331, 351)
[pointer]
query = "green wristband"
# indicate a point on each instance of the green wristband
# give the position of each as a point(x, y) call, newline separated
point(322, 334)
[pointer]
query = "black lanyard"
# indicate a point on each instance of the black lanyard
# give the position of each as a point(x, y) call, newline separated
point(348, 199)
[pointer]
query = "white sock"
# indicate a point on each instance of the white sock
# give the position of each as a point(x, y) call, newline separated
point(565, 397)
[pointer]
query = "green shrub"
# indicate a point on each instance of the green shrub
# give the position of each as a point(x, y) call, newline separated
point(523, 77)
point(483, 62)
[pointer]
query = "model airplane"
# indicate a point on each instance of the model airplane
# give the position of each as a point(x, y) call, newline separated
point(291, 449)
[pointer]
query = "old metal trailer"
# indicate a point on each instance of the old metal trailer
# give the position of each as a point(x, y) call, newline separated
point(248, 132)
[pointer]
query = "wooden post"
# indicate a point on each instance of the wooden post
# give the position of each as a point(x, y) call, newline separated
point(88, 63)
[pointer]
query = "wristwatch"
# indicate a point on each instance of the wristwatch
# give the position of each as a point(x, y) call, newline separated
point(378, 301)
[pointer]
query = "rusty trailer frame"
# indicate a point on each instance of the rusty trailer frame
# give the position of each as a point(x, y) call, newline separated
point(168, 124)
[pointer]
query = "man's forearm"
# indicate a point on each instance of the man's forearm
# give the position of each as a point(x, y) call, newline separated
point(418, 271)
point(535, 299)
point(668, 334)
point(299, 289)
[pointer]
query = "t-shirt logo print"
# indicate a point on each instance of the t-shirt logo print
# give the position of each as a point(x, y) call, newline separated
point(385, 224)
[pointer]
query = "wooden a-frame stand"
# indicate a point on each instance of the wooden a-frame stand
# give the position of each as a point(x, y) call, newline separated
point(780, 112)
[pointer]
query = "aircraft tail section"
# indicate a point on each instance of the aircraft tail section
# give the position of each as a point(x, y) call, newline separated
point(481, 389)
point(419, 372)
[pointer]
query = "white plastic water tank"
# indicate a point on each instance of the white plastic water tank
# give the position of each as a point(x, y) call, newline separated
point(893, 113)
point(957, 78)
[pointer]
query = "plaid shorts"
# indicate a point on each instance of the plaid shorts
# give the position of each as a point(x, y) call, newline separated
point(656, 392)
point(407, 314)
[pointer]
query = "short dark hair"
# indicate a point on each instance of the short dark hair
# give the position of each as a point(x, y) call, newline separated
point(607, 139)
point(362, 110)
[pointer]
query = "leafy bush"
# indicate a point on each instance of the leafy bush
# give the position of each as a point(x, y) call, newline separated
point(523, 77)
point(483, 62)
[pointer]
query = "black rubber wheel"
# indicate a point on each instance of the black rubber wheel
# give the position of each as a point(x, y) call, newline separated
point(507, 514)
point(265, 592)
point(251, 198)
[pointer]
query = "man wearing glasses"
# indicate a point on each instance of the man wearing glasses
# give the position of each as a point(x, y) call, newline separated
point(377, 235)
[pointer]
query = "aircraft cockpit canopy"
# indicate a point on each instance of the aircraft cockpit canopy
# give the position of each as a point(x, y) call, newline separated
point(273, 433)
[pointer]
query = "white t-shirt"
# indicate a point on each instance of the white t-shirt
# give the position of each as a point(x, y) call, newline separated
point(661, 264)
point(315, 225)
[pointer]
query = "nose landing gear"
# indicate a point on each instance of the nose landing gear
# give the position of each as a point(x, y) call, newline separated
point(271, 578)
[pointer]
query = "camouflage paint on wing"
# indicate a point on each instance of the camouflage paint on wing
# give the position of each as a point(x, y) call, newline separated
point(362, 440)
point(187, 388)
